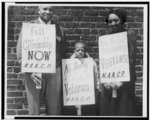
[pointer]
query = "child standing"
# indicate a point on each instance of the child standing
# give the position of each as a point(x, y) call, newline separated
point(80, 53)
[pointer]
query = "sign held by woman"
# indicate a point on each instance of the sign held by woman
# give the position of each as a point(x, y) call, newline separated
point(114, 58)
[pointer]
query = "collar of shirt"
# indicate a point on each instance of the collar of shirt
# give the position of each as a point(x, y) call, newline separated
point(42, 22)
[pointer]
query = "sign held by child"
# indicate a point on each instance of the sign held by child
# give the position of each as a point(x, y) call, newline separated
point(79, 77)
point(78, 82)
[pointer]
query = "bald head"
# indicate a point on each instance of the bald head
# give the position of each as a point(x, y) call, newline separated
point(45, 13)
point(45, 6)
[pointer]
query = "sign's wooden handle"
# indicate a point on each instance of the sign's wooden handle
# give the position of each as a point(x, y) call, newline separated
point(78, 110)
point(114, 93)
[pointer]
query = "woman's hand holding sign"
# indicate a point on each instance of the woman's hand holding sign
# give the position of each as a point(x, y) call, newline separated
point(107, 86)
point(118, 85)
point(115, 85)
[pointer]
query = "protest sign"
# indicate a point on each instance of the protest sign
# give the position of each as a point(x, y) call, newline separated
point(38, 48)
point(78, 82)
point(114, 58)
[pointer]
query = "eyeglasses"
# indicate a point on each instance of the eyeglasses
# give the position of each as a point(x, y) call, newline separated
point(113, 20)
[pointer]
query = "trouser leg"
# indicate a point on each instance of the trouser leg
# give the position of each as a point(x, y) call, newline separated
point(53, 93)
point(33, 95)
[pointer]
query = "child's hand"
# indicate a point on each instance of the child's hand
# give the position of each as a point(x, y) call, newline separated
point(73, 55)
point(87, 54)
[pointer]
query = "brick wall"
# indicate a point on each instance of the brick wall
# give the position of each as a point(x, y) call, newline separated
point(80, 23)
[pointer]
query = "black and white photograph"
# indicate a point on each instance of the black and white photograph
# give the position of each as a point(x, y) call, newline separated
point(75, 60)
